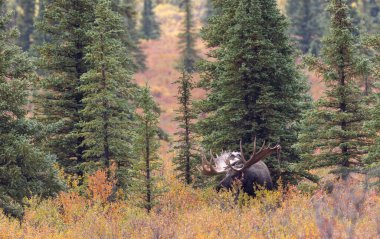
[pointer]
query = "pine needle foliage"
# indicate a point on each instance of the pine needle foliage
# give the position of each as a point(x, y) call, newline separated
point(25, 170)
point(189, 55)
point(149, 26)
point(186, 157)
point(372, 162)
point(307, 23)
point(253, 87)
point(25, 23)
point(333, 133)
point(61, 59)
point(209, 11)
point(131, 37)
point(37, 37)
point(108, 93)
point(146, 176)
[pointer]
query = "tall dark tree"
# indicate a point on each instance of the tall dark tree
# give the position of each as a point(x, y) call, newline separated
point(373, 159)
point(131, 37)
point(145, 169)
point(291, 7)
point(64, 25)
point(149, 26)
point(186, 158)
point(38, 37)
point(370, 14)
point(107, 91)
point(253, 87)
point(307, 24)
point(25, 22)
point(24, 169)
point(189, 55)
point(209, 11)
point(335, 126)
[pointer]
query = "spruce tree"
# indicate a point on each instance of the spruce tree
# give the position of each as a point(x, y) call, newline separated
point(369, 13)
point(335, 126)
point(186, 157)
point(131, 37)
point(291, 7)
point(373, 160)
point(64, 25)
point(307, 23)
point(253, 87)
point(354, 13)
point(25, 22)
point(25, 170)
point(373, 42)
point(374, 11)
point(189, 55)
point(107, 91)
point(149, 26)
point(37, 36)
point(145, 169)
point(209, 11)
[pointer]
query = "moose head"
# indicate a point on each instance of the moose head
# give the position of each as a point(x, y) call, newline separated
point(252, 172)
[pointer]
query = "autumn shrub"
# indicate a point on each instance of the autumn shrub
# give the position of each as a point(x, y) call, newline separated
point(350, 210)
point(100, 187)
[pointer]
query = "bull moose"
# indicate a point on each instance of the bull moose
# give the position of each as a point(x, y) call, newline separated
point(251, 173)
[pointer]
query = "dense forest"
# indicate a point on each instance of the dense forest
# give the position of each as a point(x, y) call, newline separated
point(111, 112)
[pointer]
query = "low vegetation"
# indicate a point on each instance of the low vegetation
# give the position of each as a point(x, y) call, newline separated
point(348, 211)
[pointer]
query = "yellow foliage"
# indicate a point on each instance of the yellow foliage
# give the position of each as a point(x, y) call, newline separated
point(170, 18)
point(185, 212)
point(99, 187)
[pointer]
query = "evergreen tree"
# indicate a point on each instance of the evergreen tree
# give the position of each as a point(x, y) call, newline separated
point(370, 16)
point(373, 42)
point(107, 91)
point(335, 126)
point(354, 13)
point(373, 160)
point(253, 87)
point(291, 7)
point(186, 158)
point(209, 11)
point(38, 36)
point(24, 169)
point(307, 23)
point(189, 55)
point(145, 169)
point(149, 26)
point(365, 22)
point(25, 22)
point(64, 24)
point(131, 40)
point(374, 11)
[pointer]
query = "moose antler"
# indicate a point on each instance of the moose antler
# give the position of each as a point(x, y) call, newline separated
point(222, 164)
point(209, 170)
point(264, 152)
